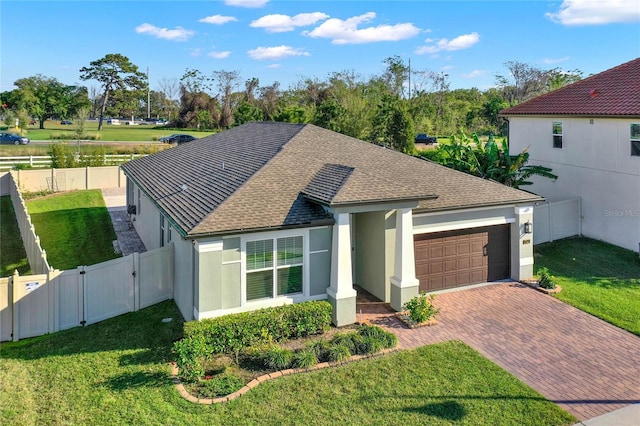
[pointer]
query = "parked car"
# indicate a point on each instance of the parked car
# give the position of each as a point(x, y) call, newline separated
point(66, 122)
point(178, 138)
point(13, 139)
point(424, 138)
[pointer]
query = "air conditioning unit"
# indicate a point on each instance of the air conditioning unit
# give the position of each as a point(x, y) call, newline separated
point(131, 209)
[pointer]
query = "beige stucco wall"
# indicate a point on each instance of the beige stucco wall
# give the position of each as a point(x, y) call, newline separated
point(370, 253)
point(594, 164)
point(146, 220)
point(183, 258)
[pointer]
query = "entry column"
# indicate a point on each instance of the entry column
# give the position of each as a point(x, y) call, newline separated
point(341, 293)
point(404, 284)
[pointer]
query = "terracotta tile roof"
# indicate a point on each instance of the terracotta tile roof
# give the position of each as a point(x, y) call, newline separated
point(275, 174)
point(615, 92)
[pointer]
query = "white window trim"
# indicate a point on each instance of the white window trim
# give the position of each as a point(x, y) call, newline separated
point(632, 139)
point(561, 134)
point(276, 300)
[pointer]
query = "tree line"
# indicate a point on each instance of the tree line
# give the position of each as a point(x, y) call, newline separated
point(387, 109)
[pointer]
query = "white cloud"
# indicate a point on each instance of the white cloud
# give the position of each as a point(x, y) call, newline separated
point(474, 74)
point(176, 34)
point(282, 23)
point(246, 3)
point(274, 66)
point(195, 52)
point(219, 55)
point(595, 12)
point(464, 41)
point(347, 31)
point(217, 19)
point(276, 52)
point(550, 61)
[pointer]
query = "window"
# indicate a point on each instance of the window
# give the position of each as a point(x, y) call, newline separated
point(274, 267)
point(635, 140)
point(557, 134)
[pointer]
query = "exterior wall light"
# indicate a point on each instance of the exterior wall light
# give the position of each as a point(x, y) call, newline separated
point(528, 228)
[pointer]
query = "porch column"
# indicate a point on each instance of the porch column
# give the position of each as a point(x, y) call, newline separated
point(522, 244)
point(341, 293)
point(404, 284)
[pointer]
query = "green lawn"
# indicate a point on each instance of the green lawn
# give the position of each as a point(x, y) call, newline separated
point(596, 277)
point(116, 373)
point(74, 228)
point(12, 254)
point(108, 133)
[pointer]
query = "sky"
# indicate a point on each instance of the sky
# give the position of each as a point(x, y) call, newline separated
point(290, 41)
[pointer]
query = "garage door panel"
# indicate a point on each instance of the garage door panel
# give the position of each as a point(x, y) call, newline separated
point(462, 257)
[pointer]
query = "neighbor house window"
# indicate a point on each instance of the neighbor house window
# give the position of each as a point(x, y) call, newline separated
point(557, 134)
point(635, 140)
point(274, 267)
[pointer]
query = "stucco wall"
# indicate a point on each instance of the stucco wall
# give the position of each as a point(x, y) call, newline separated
point(370, 253)
point(594, 164)
point(183, 276)
point(146, 220)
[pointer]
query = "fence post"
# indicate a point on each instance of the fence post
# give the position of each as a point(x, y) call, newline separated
point(550, 223)
point(136, 281)
point(15, 308)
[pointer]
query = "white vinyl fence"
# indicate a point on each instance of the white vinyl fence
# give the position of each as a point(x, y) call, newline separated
point(34, 305)
point(556, 220)
point(8, 163)
point(35, 253)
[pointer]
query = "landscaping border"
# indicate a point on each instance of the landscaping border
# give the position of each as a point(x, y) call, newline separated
point(534, 285)
point(269, 376)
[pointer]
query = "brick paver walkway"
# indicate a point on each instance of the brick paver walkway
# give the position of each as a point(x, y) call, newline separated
point(583, 364)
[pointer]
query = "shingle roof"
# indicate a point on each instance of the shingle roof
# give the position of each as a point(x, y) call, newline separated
point(275, 174)
point(615, 92)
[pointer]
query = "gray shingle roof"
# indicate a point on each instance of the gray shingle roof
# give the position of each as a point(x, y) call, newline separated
point(261, 175)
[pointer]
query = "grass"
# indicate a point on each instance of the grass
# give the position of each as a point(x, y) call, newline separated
point(74, 228)
point(116, 372)
point(596, 277)
point(12, 254)
point(108, 133)
point(88, 148)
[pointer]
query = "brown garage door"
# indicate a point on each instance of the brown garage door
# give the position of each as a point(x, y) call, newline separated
point(466, 256)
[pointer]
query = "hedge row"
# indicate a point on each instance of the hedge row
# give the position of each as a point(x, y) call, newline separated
point(230, 334)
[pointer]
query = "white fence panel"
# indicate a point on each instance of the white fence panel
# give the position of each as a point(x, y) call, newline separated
point(70, 299)
point(109, 289)
point(31, 308)
point(556, 220)
point(6, 309)
point(156, 276)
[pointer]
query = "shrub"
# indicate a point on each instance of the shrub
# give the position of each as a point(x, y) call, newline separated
point(277, 358)
point(338, 353)
point(421, 308)
point(545, 279)
point(230, 334)
point(305, 358)
point(190, 354)
point(220, 385)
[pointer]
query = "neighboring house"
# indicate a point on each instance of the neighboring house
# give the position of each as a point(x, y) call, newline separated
point(272, 213)
point(589, 134)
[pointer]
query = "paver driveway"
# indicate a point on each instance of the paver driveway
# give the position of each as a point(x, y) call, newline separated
point(585, 365)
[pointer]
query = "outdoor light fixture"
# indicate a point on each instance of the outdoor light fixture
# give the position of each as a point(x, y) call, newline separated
point(528, 227)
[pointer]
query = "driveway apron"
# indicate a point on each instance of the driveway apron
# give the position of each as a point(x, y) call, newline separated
point(587, 366)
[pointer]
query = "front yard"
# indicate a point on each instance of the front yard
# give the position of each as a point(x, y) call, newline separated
point(596, 277)
point(117, 372)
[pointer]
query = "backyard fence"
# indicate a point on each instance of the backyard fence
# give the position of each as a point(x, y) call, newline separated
point(34, 161)
point(35, 253)
point(556, 220)
point(34, 305)
point(58, 180)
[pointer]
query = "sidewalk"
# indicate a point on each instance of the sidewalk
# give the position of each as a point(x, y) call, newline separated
point(128, 241)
